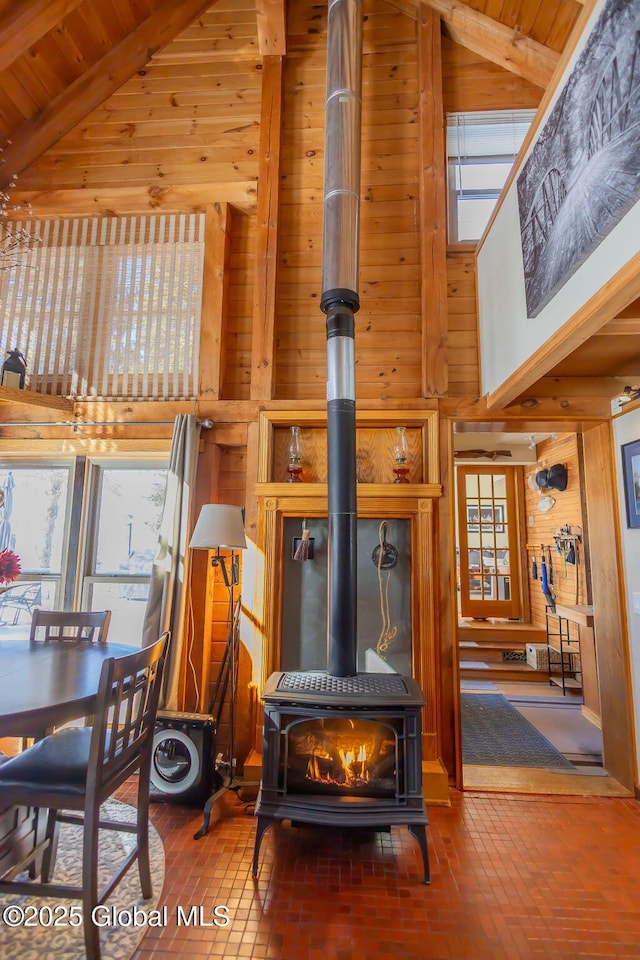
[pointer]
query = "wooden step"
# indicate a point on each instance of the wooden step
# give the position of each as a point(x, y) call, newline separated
point(495, 630)
point(488, 650)
point(475, 670)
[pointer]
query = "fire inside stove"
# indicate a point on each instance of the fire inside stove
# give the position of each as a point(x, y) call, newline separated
point(342, 756)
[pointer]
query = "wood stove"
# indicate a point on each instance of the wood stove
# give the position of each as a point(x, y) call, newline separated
point(342, 751)
point(342, 748)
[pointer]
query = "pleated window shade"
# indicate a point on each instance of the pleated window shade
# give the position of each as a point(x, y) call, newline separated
point(108, 308)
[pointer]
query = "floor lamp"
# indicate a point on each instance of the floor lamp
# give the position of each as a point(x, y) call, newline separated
point(220, 526)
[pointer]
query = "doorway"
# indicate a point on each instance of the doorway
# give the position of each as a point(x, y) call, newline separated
point(520, 729)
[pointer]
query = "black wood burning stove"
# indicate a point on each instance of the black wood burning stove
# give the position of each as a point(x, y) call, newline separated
point(342, 751)
point(342, 748)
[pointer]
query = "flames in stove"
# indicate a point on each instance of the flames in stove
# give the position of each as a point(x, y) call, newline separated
point(353, 772)
point(343, 756)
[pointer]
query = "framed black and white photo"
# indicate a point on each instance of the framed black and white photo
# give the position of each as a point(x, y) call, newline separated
point(631, 473)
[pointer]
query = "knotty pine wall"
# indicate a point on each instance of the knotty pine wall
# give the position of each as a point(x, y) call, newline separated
point(569, 581)
point(192, 118)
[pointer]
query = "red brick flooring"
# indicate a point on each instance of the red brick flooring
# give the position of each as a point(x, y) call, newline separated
point(513, 878)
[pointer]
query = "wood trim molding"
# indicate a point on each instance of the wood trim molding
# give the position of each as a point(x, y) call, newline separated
point(266, 258)
point(215, 283)
point(602, 307)
point(109, 202)
point(433, 207)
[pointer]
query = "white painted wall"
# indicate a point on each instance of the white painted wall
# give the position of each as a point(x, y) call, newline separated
point(508, 338)
point(626, 428)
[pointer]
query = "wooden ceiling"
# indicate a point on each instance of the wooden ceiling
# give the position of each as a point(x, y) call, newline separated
point(61, 60)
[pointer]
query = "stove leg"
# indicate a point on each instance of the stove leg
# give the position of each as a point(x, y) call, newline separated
point(419, 831)
point(263, 825)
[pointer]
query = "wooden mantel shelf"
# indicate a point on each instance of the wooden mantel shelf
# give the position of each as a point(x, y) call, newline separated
point(11, 395)
point(319, 490)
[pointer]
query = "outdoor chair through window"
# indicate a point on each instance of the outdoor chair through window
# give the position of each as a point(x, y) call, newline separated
point(78, 769)
point(64, 625)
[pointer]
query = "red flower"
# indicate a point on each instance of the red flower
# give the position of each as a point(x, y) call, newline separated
point(10, 566)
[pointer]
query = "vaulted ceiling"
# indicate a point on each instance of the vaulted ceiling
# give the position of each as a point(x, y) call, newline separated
point(60, 60)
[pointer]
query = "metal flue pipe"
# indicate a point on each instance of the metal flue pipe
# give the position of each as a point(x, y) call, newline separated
point(340, 247)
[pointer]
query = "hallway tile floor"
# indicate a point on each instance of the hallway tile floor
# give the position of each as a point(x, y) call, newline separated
point(514, 877)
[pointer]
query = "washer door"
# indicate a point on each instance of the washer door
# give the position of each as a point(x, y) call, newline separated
point(175, 765)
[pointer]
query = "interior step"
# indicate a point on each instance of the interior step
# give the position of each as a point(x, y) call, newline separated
point(490, 650)
point(477, 670)
point(501, 630)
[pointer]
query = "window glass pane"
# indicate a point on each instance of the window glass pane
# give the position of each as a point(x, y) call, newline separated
point(473, 216)
point(18, 603)
point(127, 604)
point(484, 176)
point(33, 516)
point(481, 148)
point(129, 515)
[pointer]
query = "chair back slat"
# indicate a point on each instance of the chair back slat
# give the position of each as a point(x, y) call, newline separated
point(124, 720)
point(69, 625)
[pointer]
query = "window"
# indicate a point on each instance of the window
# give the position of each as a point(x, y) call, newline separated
point(125, 511)
point(86, 534)
point(481, 148)
point(108, 307)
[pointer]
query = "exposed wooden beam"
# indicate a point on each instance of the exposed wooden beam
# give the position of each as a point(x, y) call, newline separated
point(193, 197)
point(494, 41)
point(571, 387)
point(433, 207)
point(215, 283)
point(266, 259)
point(35, 399)
point(26, 22)
point(101, 80)
point(271, 16)
point(600, 309)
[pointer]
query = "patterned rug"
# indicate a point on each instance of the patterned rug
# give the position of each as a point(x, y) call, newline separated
point(494, 733)
point(43, 941)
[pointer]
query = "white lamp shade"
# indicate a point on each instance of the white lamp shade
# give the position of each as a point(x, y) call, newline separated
point(219, 525)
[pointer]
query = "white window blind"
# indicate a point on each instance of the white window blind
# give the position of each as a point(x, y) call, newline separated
point(108, 308)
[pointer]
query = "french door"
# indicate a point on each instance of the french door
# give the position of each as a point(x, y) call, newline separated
point(488, 575)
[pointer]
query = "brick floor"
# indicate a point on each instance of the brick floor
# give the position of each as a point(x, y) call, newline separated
point(513, 878)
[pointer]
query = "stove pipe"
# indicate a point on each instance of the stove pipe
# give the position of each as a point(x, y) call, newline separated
point(340, 302)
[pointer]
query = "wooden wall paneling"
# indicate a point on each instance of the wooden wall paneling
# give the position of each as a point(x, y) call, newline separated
point(611, 637)
point(463, 351)
point(433, 208)
point(569, 580)
point(24, 25)
point(96, 84)
point(266, 262)
point(215, 283)
point(240, 309)
point(470, 83)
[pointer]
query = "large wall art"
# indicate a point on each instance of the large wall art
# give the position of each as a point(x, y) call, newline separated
point(583, 173)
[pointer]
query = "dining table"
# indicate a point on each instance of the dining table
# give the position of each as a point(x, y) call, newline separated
point(44, 685)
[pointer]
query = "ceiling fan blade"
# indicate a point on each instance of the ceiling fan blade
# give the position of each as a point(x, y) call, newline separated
point(481, 454)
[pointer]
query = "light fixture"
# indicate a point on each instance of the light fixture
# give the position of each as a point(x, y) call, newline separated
point(629, 393)
point(220, 526)
point(401, 452)
point(295, 456)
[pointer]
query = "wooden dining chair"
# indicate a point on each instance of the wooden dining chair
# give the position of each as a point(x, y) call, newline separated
point(78, 769)
point(66, 625)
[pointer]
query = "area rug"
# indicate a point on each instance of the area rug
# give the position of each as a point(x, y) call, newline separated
point(495, 734)
point(44, 941)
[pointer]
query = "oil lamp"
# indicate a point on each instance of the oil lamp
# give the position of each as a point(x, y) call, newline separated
point(401, 451)
point(295, 455)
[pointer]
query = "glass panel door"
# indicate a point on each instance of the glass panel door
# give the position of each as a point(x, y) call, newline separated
point(487, 543)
